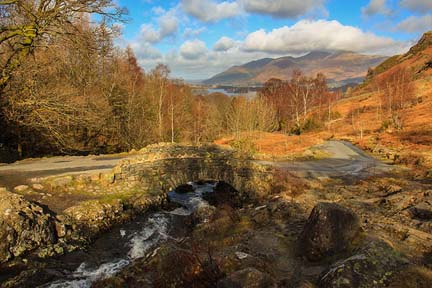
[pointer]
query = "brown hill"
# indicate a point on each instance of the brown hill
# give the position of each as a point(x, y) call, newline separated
point(340, 68)
point(360, 117)
point(418, 60)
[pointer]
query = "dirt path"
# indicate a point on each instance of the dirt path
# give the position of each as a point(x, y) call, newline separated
point(23, 171)
point(346, 160)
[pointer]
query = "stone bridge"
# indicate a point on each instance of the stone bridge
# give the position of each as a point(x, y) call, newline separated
point(161, 168)
point(134, 186)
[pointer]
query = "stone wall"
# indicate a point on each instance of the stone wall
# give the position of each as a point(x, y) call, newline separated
point(161, 168)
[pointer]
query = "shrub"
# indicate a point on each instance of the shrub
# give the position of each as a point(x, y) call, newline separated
point(245, 146)
point(386, 124)
point(311, 124)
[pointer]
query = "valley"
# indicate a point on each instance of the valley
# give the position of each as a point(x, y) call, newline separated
point(303, 160)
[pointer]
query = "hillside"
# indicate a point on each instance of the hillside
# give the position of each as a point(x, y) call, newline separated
point(418, 60)
point(362, 120)
point(340, 68)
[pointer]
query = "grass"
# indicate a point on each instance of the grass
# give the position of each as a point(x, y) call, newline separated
point(275, 146)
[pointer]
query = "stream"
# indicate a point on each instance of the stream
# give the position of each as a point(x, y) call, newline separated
point(119, 247)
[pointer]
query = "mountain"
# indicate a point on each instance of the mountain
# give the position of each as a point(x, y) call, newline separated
point(418, 59)
point(341, 68)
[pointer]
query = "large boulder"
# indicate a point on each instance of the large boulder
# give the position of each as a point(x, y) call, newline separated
point(330, 229)
point(96, 215)
point(247, 278)
point(371, 266)
point(24, 226)
point(223, 194)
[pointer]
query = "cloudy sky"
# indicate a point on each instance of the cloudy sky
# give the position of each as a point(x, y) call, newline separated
point(199, 38)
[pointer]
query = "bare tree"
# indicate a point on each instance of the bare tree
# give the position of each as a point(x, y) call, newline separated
point(397, 90)
point(27, 24)
point(160, 74)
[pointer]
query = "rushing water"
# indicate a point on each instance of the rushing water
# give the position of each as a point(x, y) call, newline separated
point(118, 248)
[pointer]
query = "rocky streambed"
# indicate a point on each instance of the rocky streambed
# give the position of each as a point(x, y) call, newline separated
point(114, 250)
point(210, 237)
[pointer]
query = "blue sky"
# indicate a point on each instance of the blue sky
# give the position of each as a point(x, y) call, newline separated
point(199, 38)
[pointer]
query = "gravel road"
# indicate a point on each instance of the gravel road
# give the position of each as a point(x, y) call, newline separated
point(22, 172)
point(345, 160)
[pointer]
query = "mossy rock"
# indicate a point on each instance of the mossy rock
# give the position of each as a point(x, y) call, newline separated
point(370, 266)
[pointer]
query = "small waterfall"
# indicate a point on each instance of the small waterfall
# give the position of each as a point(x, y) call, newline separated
point(134, 240)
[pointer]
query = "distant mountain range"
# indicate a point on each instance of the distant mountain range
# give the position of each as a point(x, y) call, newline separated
point(340, 68)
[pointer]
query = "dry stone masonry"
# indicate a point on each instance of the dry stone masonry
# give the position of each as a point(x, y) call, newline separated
point(161, 168)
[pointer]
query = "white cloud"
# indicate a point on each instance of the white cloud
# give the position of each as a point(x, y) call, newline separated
point(190, 32)
point(210, 11)
point(283, 8)
point(192, 50)
point(376, 7)
point(145, 51)
point(168, 26)
point(416, 24)
point(224, 44)
point(158, 10)
point(194, 60)
point(421, 6)
point(307, 35)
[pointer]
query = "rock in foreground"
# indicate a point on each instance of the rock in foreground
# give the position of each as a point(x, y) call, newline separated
point(247, 278)
point(371, 266)
point(24, 226)
point(330, 229)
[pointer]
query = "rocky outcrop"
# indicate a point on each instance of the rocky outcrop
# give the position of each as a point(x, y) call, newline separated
point(371, 266)
point(24, 226)
point(247, 278)
point(330, 229)
point(96, 216)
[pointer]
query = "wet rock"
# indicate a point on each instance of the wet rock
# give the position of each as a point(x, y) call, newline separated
point(247, 278)
point(168, 266)
point(371, 266)
point(24, 226)
point(422, 211)
point(185, 188)
point(330, 229)
point(222, 194)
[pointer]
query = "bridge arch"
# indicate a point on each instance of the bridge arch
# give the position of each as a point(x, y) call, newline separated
point(161, 168)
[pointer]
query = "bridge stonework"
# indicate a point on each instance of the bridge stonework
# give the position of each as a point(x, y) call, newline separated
point(161, 168)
